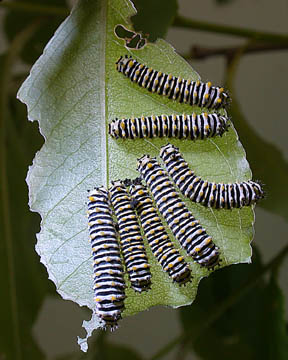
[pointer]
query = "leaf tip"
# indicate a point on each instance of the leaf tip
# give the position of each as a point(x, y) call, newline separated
point(91, 325)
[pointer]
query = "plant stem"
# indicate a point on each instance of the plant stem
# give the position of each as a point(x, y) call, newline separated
point(183, 22)
point(33, 8)
point(199, 52)
point(167, 348)
point(221, 308)
point(5, 79)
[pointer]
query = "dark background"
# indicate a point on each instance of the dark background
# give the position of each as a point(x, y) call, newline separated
point(242, 306)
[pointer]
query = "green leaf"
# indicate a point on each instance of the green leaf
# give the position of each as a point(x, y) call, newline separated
point(147, 20)
point(74, 91)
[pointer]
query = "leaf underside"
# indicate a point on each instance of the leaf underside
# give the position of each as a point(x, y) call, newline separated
point(74, 91)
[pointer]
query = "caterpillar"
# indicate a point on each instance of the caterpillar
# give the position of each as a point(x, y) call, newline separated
point(162, 247)
point(109, 285)
point(131, 241)
point(184, 91)
point(216, 195)
point(184, 126)
point(192, 237)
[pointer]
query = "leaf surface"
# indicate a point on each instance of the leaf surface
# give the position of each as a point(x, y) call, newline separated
point(73, 91)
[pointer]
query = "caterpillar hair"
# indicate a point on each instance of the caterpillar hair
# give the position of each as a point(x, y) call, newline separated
point(191, 235)
point(216, 195)
point(109, 285)
point(132, 245)
point(162, 247)
point(184, 91)
point(190, 127)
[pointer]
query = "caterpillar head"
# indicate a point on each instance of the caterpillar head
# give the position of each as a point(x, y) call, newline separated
point(137, 181)
point(127, 182)
point(100, 193)
point(169, 151)
point(226, 99)
point(143, 161)
point(258, 188)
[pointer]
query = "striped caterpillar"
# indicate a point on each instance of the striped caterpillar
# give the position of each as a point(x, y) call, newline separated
point(132, 245)
point(183, 126)
point(109, 285)
point(216, 195)
point(183, 225)
point(184, 91)
point(162, 247)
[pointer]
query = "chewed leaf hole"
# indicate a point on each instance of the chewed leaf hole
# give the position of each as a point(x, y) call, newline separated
point(132, 39)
